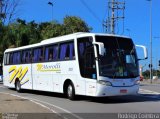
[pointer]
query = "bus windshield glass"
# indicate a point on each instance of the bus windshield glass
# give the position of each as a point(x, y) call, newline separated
point(120, 58)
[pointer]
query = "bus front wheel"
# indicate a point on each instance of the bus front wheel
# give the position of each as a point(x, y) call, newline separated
point(18, 86)
point(71, 92)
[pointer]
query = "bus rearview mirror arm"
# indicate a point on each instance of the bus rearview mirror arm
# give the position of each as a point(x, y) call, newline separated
point(101, 48)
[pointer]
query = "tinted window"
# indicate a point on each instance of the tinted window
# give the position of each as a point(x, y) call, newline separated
point(5, 58)
point(16, 57)
point(86, 58)
point(11, 58)
point(119, 60)
point(67, 51)
point(26, 56)
point(38, 55)
point(51, 53)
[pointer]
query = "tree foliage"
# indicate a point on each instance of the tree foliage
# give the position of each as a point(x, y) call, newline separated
point(75, 24)
point(21, 33)
point(146, 73)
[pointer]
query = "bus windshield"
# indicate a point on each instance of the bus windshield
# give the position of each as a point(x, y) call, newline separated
point(120, 58)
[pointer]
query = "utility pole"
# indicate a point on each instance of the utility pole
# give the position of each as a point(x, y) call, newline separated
point(115, 12)
point(151, 73)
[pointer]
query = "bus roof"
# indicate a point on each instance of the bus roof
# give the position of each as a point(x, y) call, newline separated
point(80, 34)
point(62, 38)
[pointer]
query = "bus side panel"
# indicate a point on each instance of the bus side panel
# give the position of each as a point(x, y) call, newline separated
point(6, 77)
point(21, 72)
point(70, 70)
point(91, 86)
point(80, 86)
point(26, 76)
point(43, 76)
point(51, 76)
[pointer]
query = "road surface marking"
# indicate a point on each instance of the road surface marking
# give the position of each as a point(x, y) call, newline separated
point(36, 101)
point(144, 91)
point(30, 100)
point(59, 108)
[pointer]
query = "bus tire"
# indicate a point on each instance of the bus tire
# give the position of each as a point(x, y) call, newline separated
point(18, 86)
point(70, 91)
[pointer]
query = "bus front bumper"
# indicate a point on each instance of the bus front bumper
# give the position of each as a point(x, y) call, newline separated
point(104, 91)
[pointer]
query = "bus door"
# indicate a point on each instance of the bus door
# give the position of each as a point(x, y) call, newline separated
point(87, 64)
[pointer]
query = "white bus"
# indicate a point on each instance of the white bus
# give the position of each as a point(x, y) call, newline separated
point(88, 64)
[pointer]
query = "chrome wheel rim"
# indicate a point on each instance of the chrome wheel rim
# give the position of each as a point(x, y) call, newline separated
point(18, 86)
point(69, 91)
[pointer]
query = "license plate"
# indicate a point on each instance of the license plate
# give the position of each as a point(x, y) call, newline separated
point(123, 91)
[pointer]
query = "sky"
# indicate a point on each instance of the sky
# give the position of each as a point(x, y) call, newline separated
point(136, 22)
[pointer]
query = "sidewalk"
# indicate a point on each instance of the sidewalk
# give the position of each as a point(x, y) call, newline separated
point(148, 81)
point(13, 104)
point(12, 107)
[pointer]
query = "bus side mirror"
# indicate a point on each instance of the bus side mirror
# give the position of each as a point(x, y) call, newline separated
point(144, 50)
point(101, 48)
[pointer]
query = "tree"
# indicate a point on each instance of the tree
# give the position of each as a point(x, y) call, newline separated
point(25, 33)
point(50, 30)
point(21, 33)
point(146, 73)
point(8, 10)
point(71, 24)
point(74, 24)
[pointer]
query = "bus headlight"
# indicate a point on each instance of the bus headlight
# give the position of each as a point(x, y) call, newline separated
point(103, 82)
point(137, 82)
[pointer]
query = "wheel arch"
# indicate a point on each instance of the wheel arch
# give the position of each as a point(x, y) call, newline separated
point(66, 83)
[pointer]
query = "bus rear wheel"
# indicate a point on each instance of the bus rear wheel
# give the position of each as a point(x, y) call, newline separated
point(18, 86)
point(70, 91)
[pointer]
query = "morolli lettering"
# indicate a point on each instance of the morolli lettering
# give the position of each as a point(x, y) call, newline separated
point(45, 67)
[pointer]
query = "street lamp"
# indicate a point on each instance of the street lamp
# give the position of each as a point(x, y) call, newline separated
point(150, 39)
point(51, 4)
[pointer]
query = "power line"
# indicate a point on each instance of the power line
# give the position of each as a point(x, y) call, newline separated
point(91, 11)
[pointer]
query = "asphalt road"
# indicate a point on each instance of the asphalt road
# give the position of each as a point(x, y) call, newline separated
point(147, 101)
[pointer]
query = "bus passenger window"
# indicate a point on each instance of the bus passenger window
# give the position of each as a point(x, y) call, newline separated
point(63, 51)
point(51, 53)
point(67, 51)
point(11, 58)
point(50, 57)
point(38, 54)
point(71, 51)
point(6, 58)
point(16, 58)
point(26, 56)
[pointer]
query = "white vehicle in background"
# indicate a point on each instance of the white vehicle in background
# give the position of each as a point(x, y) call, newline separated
point(90, 64)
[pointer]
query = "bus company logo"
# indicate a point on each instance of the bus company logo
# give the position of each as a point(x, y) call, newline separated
point(18, 72)
point(46, 67)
